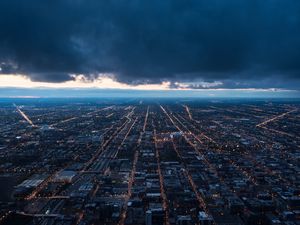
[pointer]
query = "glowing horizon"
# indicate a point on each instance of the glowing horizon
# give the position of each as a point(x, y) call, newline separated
point(22, 81)
point(107, 82)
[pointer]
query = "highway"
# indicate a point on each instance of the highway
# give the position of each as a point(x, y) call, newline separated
point(24, 116)
point(161, 181)
point(132, 174)
point(275, 118)
point(77, 117)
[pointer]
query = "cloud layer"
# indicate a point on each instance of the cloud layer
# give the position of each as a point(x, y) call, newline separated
point(240, 43)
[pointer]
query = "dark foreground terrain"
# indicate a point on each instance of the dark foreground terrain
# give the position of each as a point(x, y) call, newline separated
point(93, 161)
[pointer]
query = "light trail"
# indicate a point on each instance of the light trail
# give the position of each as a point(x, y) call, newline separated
point(126, 135)
point(161, 182)
point(188, 111)
point(129, 192)
point(24, 116)
point(201, 134)
point(113, 154)
point(146, 118)
point(40, 214)
point(105, 144)
point(275, 118)
point(186, 171)
point(262, 125)
point(110, 115)
point(42, 186)
point(77, 117)
point(191, 181)
point(132, 174)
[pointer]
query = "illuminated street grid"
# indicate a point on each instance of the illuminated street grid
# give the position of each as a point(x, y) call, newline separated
point(149, 162)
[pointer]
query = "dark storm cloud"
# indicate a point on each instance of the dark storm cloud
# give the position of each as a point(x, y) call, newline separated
point(151, 41)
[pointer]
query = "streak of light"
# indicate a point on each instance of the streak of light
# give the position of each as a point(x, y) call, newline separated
point(275, 118)
point(24, 116)
point(104, 145)
point(146, 118)
point(129, 192)
point(77, 117)
point(188, 111)
point(132, 176)
point(161, 182)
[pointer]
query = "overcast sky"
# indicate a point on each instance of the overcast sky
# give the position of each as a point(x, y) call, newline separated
point(191, 44)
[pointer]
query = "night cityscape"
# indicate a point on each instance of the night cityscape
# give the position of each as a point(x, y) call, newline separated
point(160, 112)
point(143, 162)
